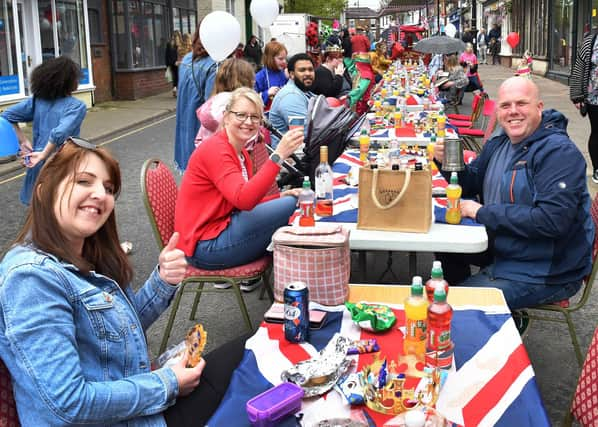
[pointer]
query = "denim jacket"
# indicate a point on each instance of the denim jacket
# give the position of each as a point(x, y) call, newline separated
point(75, 345)
point(53, 121)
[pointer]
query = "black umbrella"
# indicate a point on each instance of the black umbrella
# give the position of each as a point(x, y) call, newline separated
point(439, 44)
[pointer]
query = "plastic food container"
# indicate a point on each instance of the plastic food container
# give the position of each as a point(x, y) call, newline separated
point(268, 408)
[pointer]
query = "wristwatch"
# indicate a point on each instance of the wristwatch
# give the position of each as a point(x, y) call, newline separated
point(276, 159)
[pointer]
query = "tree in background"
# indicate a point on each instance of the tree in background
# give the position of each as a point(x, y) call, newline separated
point(329, 8)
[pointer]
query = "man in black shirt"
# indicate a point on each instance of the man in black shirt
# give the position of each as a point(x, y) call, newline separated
point(253, 52)
point(329, 75)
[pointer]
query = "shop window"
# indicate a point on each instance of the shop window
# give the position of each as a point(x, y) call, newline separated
point(62, 27)
point(9, 74)
point(562, 36)
point(140, 29)
point(230, 7)
point(94, 10)
point(184, 20)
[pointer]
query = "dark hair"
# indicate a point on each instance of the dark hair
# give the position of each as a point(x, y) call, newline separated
point(101, 251)
point(298, 57)
point(55, 78)
point(271, 50)
point(198, 50)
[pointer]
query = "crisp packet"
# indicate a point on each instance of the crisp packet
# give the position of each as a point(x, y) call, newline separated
point(363, 346)
point(351, 388)
point(372, 317)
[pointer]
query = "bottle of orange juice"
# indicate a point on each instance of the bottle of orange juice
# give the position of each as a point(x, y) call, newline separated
point(453, 195)
point(416, 323)
point(364, 145)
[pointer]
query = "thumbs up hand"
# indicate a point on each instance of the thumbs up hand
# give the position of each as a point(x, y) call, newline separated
point(171, 262)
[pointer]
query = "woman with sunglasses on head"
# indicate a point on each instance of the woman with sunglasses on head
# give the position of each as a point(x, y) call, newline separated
point(221, 213)
point(72, 328)
point(55, 114)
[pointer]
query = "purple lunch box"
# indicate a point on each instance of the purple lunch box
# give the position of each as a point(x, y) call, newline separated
point(269, 407)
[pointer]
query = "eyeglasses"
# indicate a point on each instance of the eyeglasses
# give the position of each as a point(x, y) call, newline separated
point(83, 143)
point(241, 117)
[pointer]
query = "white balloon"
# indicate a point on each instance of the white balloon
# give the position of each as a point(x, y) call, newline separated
point(450, 30)
point(220, 33)
point(264, 12)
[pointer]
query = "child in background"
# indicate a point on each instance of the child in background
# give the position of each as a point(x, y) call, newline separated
point(524, 69)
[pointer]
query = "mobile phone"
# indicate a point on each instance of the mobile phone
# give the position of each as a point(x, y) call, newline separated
point(275, 314)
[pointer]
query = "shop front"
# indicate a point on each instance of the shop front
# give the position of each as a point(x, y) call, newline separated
point(33, 31)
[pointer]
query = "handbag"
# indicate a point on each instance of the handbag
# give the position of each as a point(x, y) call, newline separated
point(395, 200)
point(319, 256)
point(583, 109)
point(168, 75)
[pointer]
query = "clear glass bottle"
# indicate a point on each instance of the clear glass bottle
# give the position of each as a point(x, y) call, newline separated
point(324, 181)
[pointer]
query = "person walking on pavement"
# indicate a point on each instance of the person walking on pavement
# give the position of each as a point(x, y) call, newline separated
point(196, 82)
point(493, 42)
point(55, 113)
point(533, 200)
point(172, 58)
point(481, 38)
point(583, 92)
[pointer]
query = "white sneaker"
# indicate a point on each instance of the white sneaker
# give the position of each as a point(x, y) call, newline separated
point(250, 285)
point(595, 177)
point(223, 285)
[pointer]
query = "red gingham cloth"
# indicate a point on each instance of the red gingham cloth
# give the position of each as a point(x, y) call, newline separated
point(8, 409)
point(585, 402)
point(322, 262)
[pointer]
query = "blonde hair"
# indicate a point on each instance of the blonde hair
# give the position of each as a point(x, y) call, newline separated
point(248, 94)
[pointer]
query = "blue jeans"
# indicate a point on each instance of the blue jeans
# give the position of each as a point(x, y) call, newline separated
point(246, 237)
point(520, 294)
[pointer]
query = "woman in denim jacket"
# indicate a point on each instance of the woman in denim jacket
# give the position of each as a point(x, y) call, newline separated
point(71, 335)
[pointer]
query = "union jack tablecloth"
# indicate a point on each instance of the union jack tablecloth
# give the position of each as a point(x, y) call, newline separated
point(493, 382)
point(345, 196)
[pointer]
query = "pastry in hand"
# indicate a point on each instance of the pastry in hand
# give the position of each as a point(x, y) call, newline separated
point(195, 341)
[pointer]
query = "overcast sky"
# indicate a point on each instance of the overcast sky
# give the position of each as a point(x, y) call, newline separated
point(374, 4)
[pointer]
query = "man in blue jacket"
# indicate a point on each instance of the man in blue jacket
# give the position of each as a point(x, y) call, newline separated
point(530, 181)
point(293, 98)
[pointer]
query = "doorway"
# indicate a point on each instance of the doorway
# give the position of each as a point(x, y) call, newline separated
point(29, 37)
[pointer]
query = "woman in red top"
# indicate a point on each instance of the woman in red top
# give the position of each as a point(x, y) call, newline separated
point(221, 213)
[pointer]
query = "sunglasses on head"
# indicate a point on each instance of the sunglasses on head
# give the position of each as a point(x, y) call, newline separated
point(83, 143)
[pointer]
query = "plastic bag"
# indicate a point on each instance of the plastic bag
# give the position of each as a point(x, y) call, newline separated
point(168, 75)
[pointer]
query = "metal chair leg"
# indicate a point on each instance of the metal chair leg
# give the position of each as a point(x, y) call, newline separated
point(267, 285)
point(173, 310)
point(574, 339)
point(242, 306)
point(198, 292)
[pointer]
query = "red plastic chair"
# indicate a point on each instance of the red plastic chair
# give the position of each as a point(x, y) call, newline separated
point(159, 191)
point(465, 120)
point(8, 408)
point(584, 407)
point(474, 139)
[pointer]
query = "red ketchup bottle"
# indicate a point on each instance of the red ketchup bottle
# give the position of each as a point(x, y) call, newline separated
point(440, 314)
point(435, 281)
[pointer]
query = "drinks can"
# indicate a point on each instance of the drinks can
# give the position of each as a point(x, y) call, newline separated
point(296, 313)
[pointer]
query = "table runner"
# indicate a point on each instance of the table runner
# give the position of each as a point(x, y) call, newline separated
point(494, 382)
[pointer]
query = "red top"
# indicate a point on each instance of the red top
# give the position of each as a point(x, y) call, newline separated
point(360, 43)
point(213, 187)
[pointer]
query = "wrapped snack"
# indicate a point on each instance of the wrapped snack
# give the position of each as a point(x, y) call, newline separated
point(364, 346)
point(351, 388)
point(195, 343)
point(372, 317)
